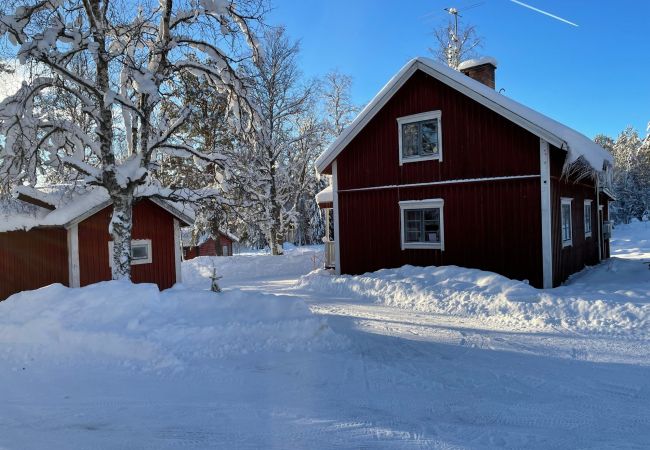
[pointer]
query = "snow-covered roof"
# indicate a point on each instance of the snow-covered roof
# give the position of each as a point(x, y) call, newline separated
point(67, 206)
point(576, 144)
point(477, 62)
point(325, 196)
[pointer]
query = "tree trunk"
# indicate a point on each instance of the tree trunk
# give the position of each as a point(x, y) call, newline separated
point(120, 229)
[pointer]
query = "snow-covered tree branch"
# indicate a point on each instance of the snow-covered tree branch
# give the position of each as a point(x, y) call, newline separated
point(115, 67)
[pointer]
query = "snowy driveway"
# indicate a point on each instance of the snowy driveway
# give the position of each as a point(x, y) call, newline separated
point(393, 377)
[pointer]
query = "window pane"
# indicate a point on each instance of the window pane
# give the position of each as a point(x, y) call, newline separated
point(139, 252)
point(429, 132)
point(566, 222)
point(409, 140)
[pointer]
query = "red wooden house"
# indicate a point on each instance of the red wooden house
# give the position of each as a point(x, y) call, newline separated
point(208, 245)
point(441, 169)
point(63, 238)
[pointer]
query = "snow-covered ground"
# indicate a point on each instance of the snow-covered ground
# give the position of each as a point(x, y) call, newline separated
point(288, 357)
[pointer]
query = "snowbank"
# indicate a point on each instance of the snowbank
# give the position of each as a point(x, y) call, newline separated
point(136, 325)
point(503, 303)
point(295, 262)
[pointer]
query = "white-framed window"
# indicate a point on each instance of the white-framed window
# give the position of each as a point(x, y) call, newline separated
point(567, 226)
point(587, 212)
point(422, 224)
point(140, 252)
point(420, 137)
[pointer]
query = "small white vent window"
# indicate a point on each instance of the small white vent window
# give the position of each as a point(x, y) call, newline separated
point(140, 252)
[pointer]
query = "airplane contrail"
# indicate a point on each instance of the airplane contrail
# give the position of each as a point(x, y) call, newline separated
point(525, 5)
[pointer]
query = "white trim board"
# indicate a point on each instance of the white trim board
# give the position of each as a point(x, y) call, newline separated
point(440, 183)
point(337, 234)
point(545, 192)
point(177, 251)
point(73, 257)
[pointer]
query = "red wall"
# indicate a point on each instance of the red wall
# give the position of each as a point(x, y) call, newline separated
point(32, 259)
point(492, 226)
point(477, 142)
point(488, 225)
point(583, 251)
point(149, 222)
point(208, 248)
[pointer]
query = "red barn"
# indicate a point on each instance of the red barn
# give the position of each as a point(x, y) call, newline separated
point(208, 245)
point(53, 238)
point(441, 169)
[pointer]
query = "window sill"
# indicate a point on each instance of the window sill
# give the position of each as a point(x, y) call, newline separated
point(403, 160)
point(423, 246)
point(566, 244)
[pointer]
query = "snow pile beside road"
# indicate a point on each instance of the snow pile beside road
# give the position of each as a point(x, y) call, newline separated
point(138, 326)
point(295, 262)
point(501, 302)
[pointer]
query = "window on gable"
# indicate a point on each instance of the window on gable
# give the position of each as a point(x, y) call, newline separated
point(420, 137)
point(565, 213)
point(422, 224)
point(587, 212)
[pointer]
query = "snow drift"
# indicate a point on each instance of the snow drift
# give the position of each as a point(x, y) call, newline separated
point(136, 325)
point(504, 303)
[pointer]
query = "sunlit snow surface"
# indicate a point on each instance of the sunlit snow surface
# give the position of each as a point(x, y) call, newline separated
point(284, 358)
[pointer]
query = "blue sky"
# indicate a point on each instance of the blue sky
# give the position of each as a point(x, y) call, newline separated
point(595, 78)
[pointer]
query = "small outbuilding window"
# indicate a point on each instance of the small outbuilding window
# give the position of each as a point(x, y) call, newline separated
point(140, 252)
point(422, 224)
point(565, 213)
point(587, 210)
point(420, 137)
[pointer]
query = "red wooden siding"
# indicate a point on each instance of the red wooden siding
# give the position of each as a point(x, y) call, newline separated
point(33, 259)
point(584, 250)
point(492, 226)
point(209, 248)
point(149, 222)
point(476, 142)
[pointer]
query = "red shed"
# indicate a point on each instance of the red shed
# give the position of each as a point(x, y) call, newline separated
point(63, 238)
point(441, 169)
point(208, 244)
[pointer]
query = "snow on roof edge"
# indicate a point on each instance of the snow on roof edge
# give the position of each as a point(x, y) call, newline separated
point(326, 195)
point(575, 143)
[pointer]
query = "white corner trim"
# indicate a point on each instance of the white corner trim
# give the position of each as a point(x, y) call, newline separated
point(420, 117)
point(422, 204)
point(545, 191)
point(74, 278)
point(566, 201)
point(177, 251)
point(337, 233)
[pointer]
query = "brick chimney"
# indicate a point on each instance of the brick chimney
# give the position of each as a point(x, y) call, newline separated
point(481, 70)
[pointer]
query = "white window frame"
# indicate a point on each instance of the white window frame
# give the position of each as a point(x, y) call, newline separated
point(422, 204)
point(421, 117)
point(591, 221)
point(134, 262)
point(566, 201)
